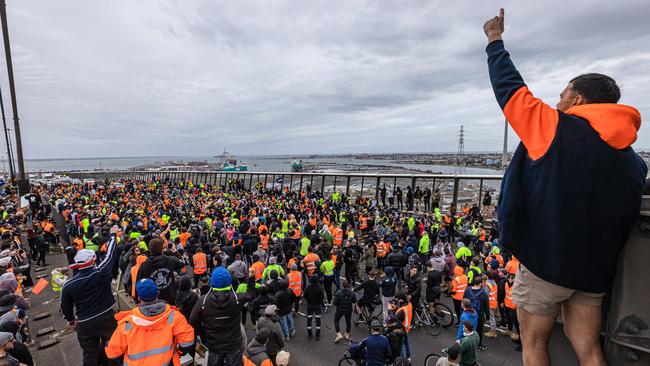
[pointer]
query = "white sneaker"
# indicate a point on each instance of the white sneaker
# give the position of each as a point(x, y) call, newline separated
point(346, 336)
point(338, 338)
point(293, 332)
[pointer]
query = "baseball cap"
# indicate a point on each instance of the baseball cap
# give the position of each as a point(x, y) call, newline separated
point(147, 289)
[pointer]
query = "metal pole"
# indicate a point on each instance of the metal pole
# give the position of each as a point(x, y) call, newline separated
point(454, 202)
point(504, 157)
point(23, 181)
point(377, 189)
point(480, 193)
point(4, 123)
point(347, 186)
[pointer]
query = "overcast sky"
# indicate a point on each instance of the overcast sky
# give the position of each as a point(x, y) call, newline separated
point(145, 78)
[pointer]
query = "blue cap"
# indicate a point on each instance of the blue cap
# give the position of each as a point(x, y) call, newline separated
point(220, 278)
point(410, 250)
point(147, 289)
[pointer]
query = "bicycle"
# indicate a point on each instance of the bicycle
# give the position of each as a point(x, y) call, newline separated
point(432, 358)
point(368, 312)
point(353, 355)
point(424, 319)
point(443, 313)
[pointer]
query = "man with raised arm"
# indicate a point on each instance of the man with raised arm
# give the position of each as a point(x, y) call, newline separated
point(571, 193)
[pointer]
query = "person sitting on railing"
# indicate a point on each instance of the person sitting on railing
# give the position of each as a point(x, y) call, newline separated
point(551, 210)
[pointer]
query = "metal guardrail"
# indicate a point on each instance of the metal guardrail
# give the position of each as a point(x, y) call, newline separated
point(355, 184)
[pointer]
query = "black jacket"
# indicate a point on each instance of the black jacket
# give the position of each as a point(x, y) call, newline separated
point(217, 317)
point(284, 300)
point(161, 269)
point(314, 295)
point(396, 260)
point(343, 300)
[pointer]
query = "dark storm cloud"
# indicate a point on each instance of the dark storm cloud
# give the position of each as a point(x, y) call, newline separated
point(187, 78)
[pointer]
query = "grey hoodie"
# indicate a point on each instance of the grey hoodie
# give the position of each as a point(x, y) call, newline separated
point(256, 352)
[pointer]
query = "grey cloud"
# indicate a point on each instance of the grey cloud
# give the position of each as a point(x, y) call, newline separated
point(186, 78)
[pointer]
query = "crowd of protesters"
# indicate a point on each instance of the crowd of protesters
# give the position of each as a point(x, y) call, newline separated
point(202, 261)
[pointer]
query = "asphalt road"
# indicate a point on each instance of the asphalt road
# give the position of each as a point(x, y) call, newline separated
point(501, 350)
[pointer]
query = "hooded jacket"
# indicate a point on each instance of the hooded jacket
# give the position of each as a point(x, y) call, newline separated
point(256, 353)
point(573, 188)
point(217, 316)
point(161, 269)
point(149, 335)
point(276, 339)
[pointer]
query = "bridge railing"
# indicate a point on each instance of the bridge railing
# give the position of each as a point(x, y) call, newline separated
point(454, 189)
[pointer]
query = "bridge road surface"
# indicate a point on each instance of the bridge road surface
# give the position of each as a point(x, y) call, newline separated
point(500, 352)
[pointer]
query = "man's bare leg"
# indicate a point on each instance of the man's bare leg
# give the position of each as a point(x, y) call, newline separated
point(582, 325)
point(535, 333)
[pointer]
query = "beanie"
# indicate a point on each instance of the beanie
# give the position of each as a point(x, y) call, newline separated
point(220, 279)
point(147, 289)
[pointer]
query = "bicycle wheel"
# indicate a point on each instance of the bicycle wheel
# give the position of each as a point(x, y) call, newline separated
point(444, 314)
point(375, 311)
point(431, 359)
point(345, 361)
point(431, 325)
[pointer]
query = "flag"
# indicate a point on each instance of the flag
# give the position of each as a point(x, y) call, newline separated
point(40, 285)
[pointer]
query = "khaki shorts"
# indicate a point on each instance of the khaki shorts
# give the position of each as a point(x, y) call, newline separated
point(543, 298)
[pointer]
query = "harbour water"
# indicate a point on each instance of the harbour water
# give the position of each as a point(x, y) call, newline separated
point(255, 163)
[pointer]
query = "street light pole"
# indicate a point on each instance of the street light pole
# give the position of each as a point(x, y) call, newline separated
point(23, 181)
point(12, 174)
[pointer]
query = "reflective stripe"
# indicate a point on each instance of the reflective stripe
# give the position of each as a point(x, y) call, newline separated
point(186, 344)
point(151, 352)
point(222, 288)
point(170, 319)
point(128, 326)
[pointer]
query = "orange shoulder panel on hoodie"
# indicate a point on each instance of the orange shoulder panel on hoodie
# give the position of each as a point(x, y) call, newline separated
point(617, 124)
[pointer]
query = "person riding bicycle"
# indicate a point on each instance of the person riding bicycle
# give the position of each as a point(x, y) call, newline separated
point(376, 345)
point(433, 280)
point(414, 287)
point(370, 289)
point(404, 312)
point(395, 332)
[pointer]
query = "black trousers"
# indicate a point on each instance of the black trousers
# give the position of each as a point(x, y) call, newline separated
point(348, 323)
point(41, 257)
point(93, 336)
point(313, 312)
point(457, 308)
point(327, 284)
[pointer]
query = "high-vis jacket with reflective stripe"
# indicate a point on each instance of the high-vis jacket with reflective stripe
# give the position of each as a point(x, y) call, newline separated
point(154, 340)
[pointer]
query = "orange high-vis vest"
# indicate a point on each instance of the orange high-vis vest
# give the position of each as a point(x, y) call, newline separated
point(381, 249)
point(295, 282)
point(459, 285)
point(364, 223)
point(508, 301)
point(310, 264)
point(152, 340)
point(408, 316)
point(296, 233)
point(258, 269)
point(264, 241)
point(493, 295)
point(338, 237)
point(134, 272)
point(248, 362)
point(291, 261)
point(200, 263)
point(512, 266)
